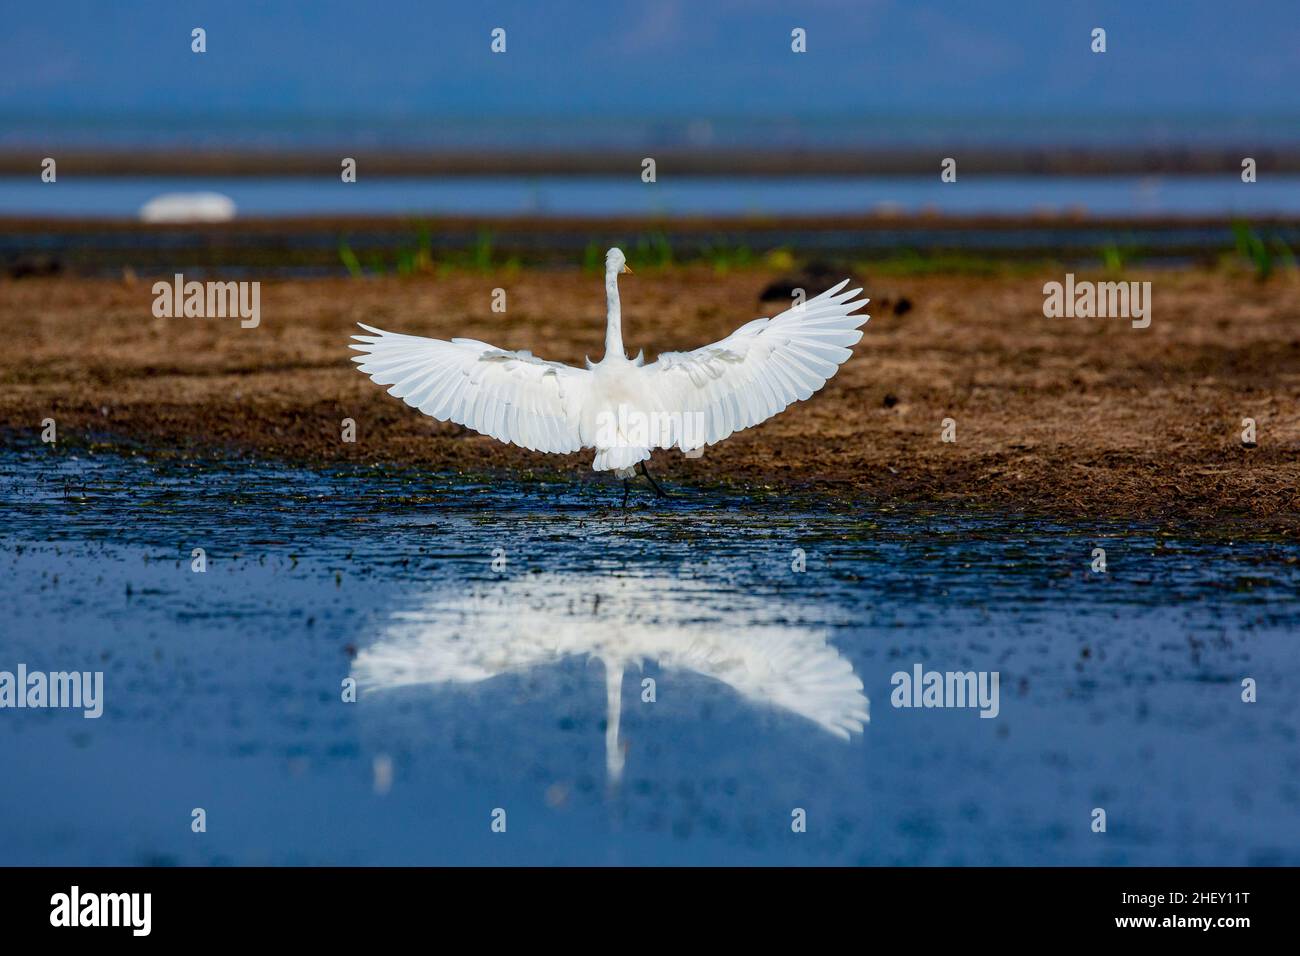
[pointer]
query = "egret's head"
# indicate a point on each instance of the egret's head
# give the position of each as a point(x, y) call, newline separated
point(616, 262)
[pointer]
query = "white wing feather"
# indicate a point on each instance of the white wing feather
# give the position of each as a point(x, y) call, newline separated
point(514, 397)
point(799, 672)
point(759, 369)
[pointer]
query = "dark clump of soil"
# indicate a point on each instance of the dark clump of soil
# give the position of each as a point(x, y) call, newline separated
point(814, 279)
point(30, 265)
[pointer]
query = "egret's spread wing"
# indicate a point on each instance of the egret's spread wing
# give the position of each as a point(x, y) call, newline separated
point(512, 396)
point(758, 370)
point(794, 671)
point(439, 645)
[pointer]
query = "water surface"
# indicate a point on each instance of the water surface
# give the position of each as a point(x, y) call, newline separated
point(113, 197)
point(489, 686)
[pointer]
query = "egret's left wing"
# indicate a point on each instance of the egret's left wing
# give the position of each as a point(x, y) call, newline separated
point(798, 672)
point(757, 371)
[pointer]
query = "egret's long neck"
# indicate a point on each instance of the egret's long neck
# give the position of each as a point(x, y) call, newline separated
point(614, 710)
point(614, 317)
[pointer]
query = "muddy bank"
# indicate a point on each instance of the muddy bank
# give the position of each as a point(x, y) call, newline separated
point(1077, 417)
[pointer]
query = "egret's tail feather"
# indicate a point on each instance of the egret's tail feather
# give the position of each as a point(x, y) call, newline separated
point(619, 459)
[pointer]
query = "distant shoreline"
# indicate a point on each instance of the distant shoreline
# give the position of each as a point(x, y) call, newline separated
point(675, 161)
point(685, 223)
point(319, 245)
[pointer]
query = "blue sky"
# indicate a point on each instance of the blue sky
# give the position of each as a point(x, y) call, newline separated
point(642, 59)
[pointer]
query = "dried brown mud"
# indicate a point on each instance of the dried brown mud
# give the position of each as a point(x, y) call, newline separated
point(1077, 417)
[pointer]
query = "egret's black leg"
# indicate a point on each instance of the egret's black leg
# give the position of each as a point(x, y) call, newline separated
point(626, 487)
point(646, 471)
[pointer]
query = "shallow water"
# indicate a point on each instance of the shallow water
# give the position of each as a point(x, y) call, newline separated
point(486, 688)
point(704, 195)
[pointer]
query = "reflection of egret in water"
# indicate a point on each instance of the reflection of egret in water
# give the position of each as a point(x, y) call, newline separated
point(623, 622)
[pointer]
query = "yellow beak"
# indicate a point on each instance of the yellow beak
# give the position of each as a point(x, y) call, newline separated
point(628, 269)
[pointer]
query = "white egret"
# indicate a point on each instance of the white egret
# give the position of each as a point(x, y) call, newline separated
point(621, 407)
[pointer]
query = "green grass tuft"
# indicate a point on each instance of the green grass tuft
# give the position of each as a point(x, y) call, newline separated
point(1252, 248)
